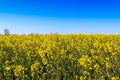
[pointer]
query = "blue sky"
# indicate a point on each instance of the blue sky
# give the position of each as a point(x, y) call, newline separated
point(62, 16)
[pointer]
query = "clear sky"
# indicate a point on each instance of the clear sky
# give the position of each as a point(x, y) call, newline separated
point(62, 16)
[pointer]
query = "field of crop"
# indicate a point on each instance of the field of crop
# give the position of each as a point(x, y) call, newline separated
point(60, 57)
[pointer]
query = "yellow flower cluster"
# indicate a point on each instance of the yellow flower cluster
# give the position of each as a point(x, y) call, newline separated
point(85, 61)
point(60, 57)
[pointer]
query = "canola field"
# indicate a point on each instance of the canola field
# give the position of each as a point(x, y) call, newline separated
point(60, 57)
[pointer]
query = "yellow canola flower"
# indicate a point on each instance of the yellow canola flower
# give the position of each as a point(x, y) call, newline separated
point(35, 66)
point(86, 73)
point(102, 78)
point(114, 53)
point(108, 65)
point(7, 68)
point(97, 67)
point(85, 61)
point(6, 62)
point(44, 61)
point(19, 70)
point(107, 58)
point(83, 78)
point(115, 78)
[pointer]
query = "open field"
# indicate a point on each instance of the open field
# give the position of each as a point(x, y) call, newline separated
point(60, 57)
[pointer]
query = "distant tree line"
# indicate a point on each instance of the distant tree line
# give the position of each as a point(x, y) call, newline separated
point(7, 32)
